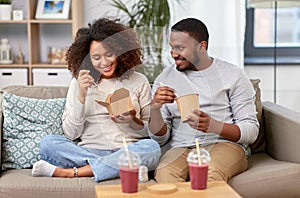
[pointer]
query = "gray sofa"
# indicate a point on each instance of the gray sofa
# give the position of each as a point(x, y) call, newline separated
point(274, 168)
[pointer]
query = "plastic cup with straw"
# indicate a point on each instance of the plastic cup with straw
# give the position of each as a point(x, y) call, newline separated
point(129, 163)
point(198, 167)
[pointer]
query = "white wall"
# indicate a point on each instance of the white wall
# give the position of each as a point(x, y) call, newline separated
point(94, 9)
point(288, 83)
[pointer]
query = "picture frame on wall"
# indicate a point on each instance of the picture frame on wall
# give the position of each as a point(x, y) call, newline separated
point(48, 9)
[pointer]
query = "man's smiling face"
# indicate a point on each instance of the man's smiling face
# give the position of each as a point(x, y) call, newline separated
point(184, 51)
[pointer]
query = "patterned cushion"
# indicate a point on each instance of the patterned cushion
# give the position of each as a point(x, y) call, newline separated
point(26, 121)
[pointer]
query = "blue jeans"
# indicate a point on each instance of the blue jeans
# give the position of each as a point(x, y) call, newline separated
point(64, 153)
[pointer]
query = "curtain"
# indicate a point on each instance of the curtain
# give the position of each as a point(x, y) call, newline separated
point(225, 21)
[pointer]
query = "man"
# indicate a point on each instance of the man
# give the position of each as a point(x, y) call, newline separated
point(226, 122)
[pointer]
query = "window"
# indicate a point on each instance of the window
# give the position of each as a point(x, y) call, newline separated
point(260, 34)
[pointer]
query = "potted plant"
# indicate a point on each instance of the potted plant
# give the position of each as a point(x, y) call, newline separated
point(5, 9)
point(151, 20)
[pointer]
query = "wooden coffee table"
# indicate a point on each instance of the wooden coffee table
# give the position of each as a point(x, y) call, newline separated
point(214, 189)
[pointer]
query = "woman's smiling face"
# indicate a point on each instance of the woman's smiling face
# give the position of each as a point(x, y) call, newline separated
point(104, 61)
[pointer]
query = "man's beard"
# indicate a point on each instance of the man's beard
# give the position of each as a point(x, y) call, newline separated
point(190, 66)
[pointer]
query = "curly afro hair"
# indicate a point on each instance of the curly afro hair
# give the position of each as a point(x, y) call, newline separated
point(115, 36)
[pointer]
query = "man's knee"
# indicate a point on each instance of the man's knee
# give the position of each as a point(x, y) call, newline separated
point(217, 175)
point(171, 174)
point(228, 160)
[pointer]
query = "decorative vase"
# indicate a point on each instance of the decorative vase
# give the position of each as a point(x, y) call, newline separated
point(5, 11)
point(5, 52)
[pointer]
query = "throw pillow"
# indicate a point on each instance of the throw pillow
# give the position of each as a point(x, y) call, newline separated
point(26, 121)
point(259, 145)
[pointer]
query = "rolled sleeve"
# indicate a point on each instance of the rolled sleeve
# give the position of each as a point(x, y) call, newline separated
point(161, 140)
point(249, 133)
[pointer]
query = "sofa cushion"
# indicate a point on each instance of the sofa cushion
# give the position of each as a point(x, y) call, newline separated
point(40, 92)
point(259, 145)
point(26, 121)
point(267, 177)
point(20, 183)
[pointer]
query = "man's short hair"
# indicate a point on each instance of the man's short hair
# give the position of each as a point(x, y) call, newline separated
point(194, 27)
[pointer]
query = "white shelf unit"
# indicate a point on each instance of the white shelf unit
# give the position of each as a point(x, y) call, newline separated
point(36, 36)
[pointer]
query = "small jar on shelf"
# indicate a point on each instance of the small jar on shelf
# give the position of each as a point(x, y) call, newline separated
point(5, 52)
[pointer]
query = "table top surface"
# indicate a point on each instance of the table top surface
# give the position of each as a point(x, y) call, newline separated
point(214, 189)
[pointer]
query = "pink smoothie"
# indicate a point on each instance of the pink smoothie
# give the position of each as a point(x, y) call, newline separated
point(198, 176)
point(129, 179)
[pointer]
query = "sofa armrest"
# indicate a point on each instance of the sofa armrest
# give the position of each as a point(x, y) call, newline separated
point(282, 132)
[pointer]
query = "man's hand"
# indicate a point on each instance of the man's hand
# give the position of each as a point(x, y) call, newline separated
point(203, 122)
point(162, 95)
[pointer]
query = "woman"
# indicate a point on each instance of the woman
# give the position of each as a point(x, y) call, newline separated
point(114, 51)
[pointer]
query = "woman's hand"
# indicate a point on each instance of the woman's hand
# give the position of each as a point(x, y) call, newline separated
point(130, 118)
point(85, 81)
point(124, 118)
